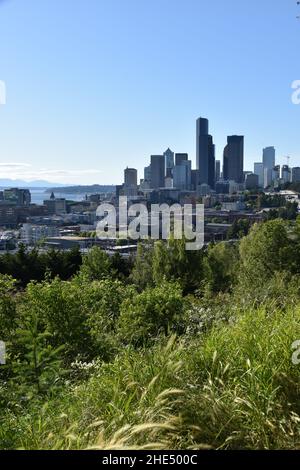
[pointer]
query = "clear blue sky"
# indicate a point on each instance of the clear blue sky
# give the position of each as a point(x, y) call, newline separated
point(96, 85)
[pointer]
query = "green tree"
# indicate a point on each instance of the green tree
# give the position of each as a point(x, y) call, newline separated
point(220, 264)
point(266, 250)
point(154, 311)
point(240, 228)
point(120, 266)
point(8, 311)
point(39, 366)
point(96, 265)
point(172, 262)
point(61, 307)
point(103, 303)
point(142, 273)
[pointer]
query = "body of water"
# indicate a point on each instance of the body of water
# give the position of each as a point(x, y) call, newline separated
point(38, 196)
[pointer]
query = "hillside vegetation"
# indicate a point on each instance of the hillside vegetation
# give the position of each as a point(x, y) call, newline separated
point(189, 350)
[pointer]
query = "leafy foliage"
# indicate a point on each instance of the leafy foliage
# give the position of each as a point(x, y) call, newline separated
point(154, 311)
point(92, 360)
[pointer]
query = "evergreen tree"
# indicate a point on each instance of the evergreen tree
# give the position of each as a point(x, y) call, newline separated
point(39, 365)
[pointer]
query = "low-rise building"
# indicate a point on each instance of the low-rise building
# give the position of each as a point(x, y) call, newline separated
point(68, 243)
point(32, 234)
point(56, 206)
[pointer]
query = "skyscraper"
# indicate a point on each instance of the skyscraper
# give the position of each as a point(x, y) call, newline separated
point(251, 181)
point(233, 166)
point(268, 178)
point(276, 174)
point(183, 175)
point(218, 170)
point(259, 171)
point(180, 158)
point(269, 154)
point(195, 179)
point(147, 173)
point(157, 171)
point(130, 177)
point(169, 162)
point(296, 175)
point(205, 152)
point(286, 174)
point(130, 182)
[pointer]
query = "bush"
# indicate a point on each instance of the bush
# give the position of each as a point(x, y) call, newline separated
point(154, 311)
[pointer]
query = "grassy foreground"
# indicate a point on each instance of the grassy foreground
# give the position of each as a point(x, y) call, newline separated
point(233, 387)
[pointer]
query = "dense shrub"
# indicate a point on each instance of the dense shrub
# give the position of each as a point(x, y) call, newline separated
point(154, 311)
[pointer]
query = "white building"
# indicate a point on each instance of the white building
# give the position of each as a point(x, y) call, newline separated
point(32, 234)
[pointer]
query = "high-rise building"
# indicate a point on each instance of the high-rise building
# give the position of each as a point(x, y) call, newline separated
point(157, 171)
point(17, 197)
point(296, 175)
point(276, 174)
point(259, 171)
point(205, 152)
point(233, 166)
point(147, 173)
point(251, 181)
point(130, 177)
point(218, 170)
point(169, 162)
point(130, 182)
point(195, 179)
point(269, 156)
point(286, 174)
point(183, 175)
point(222, 187)
point(181, 157)
point(268, 177)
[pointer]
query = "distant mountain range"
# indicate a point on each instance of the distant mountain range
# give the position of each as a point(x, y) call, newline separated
point(89, 189)
point(5, 183)
point(57, 187)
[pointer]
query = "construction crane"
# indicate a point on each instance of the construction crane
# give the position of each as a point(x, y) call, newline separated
point(288, 158)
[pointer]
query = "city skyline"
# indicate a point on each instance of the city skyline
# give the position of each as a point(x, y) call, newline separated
point(197, 163)
point(83, 96)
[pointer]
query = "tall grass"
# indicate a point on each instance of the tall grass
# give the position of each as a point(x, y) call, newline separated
point(232, 387)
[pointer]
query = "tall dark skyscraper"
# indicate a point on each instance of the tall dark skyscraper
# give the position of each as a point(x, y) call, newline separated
point(218, 170)
point(205, 151)
point(180, 158)
point(233, 167)
point(169, 162)
point(157, 171)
